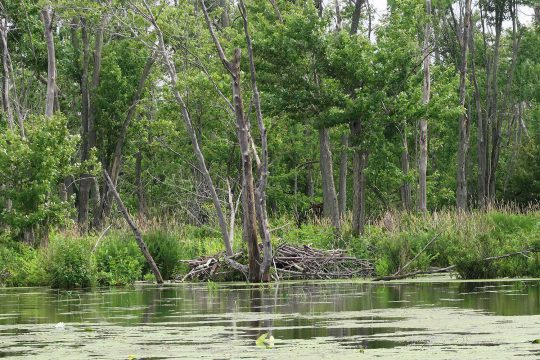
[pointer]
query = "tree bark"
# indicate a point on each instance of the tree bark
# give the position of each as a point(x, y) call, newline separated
point(46, 16)
point(136, 232)
point(6, 100)
point(260, 193)
point(276, 10)
point(463, 145)
point(480, 130)
point(494, 108)
point(191, 132)
point(422, 161)
point(141, 205)
point(84, 187)
point(330, 204)
point(343, 165)
point(359, 181)
point(406, 196)
point(355, 21)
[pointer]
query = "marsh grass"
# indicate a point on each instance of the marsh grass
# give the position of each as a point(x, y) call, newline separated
point(390, 241)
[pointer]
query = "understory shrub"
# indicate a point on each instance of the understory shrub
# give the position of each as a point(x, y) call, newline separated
point(118, 261)
point(165, 249)
point(69, 263)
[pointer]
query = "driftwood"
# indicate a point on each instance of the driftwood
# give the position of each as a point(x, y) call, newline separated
point(290, 262)
point(452, 267)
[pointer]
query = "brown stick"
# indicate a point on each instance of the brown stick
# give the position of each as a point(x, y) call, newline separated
point(452, 267)
point(136, 232)
point(419, 253)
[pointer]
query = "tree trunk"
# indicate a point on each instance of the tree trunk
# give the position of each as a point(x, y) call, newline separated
point(51, 61)
point(406, 196)
point(84, 187)
point(276, 10)
point(343, 165)
point(355, 21)
point(6, 101)
point(225, 13)
point(359, 181)
point(359, 193)
point(136, 232)
point(330, 204)
point(463, 145)
point(249, 220)
point(494, 110)
point(338, 15)
point(260, 193)
point(422, 162)
point(193, 136)
point(480, 130)
point(537, 14)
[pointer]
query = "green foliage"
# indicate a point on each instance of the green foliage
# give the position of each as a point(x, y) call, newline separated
point(21, 265)
point(30, 170)
point(118, 261)
point(69, 263)
point(165, 249)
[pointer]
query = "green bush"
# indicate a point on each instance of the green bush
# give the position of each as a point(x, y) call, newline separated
point(118, 261)
point(69, 263)
point(165, 249)
point(21, 265)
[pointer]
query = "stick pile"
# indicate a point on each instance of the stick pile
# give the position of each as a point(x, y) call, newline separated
point(290, 262)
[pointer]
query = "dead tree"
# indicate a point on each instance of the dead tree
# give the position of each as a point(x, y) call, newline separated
point(171, 70)
point(463, 145)
point(249, 214)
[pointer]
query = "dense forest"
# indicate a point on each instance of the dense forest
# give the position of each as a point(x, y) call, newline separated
point(272, 120)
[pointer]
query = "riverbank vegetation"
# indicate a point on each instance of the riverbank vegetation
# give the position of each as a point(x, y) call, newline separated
point(408, 136)
point(72, 260)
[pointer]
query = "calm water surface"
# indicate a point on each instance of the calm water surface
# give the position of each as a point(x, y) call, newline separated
point(432, 319)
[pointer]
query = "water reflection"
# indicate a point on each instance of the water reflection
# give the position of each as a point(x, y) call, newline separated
point(353, 315)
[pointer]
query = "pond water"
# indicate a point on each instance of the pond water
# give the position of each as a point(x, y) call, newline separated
point(430, 319)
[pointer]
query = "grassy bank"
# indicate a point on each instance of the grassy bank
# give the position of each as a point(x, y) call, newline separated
point(390, 242)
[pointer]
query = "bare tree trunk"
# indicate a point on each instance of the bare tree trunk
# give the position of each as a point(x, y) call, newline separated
point(359, 193)
point(463, 146)
point(330, 204)
point(260, 193)
point(276, 10)
point(225, 13)
point(84, 187)
point(338, 15)
point(494, 108)
point(406, 196)
point(503, 113)
point(355, 21)
point(136, 232)
point(422, 163)
point(190, 130)
point(480, 132)
point(537, 14)
point(46, 15)
point(6, 101)
point(343, 165)
point(249, 216)
point(359, 181)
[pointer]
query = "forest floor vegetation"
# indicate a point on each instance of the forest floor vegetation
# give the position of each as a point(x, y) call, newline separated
point(391, 242)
